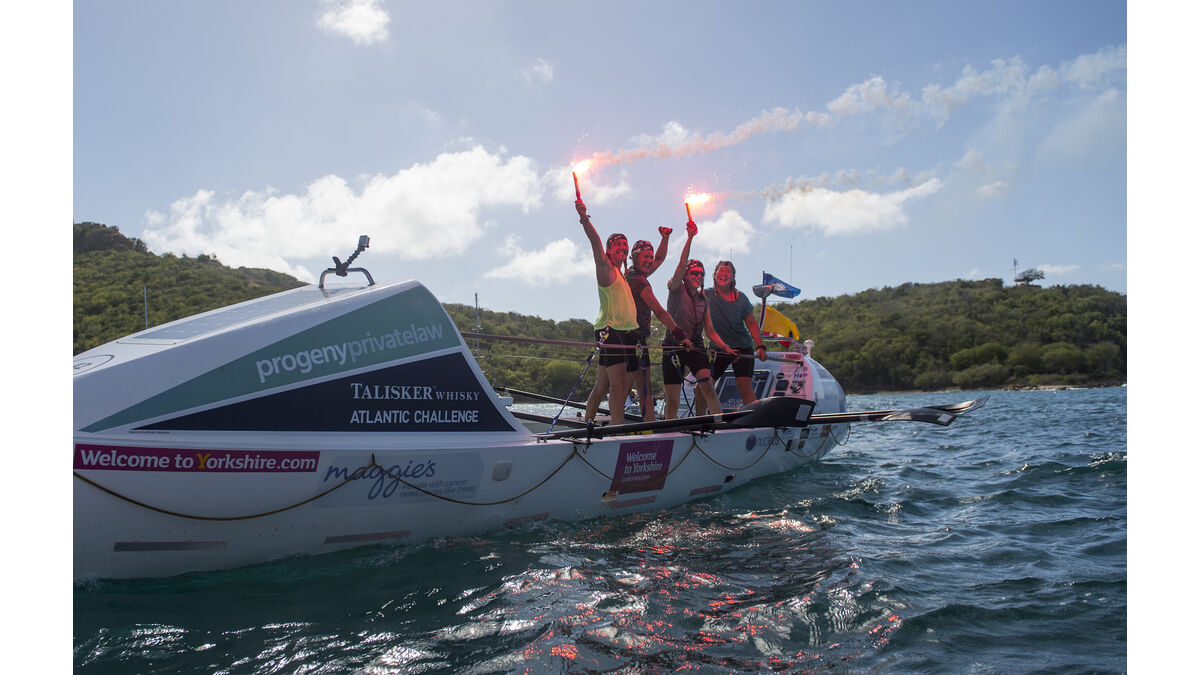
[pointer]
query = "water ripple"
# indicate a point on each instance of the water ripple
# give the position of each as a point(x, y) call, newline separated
point(996, 545)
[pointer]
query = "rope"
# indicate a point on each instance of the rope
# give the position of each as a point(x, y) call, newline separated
point(359, 473)
point(574, 453)
point(760, 457)
point(849, 428)
point(586, 365)
point(570, 343)
point(355, 476)
point(621, 483)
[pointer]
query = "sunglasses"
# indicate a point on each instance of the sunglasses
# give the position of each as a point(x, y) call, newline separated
point(695, 273)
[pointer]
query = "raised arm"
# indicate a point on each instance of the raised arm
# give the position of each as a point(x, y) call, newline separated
point(661, 254)
point(603, 269)
point(677, 278)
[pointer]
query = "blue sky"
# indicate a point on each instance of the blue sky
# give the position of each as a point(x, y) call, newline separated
point(847, 145)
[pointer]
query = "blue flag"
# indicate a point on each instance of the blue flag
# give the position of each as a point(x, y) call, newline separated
point(780, 288)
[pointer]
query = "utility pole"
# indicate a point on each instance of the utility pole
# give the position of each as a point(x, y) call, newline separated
point(478, 328)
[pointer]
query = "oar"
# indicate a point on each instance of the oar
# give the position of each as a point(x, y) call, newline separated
point(942, 415)
point(533, 417)
point(776, 411)
point(561, 401)
point(542, 397)
point(781, 411)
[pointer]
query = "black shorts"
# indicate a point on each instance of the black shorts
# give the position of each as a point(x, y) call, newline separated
point(742, 367)
point(689, 359)
point(613, 356)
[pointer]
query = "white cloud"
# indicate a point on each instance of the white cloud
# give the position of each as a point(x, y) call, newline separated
point(1006, 79)
point(1094, 71)
point(541, 71)
point(1097, 123)
point(426, 211)
point(558, 261)
point(729, 233)
point(972, 161)
point(1058, 270)
point(363, 21)
point(993, 189)
point(848, 212)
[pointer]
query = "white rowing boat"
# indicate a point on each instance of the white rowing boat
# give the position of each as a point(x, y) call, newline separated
point(320, 419)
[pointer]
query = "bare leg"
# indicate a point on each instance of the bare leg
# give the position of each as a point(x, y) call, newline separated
point(618, 388)
point(705, 394)
point(671, 402)
point(597, 395)
point(746, 390)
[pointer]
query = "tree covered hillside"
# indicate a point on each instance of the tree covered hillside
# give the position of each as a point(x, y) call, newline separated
point(969, 334)
point(110, 271)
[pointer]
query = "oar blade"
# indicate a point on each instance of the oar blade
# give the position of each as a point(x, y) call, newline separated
point(963, 407)
point(942, 415)
point(931, 415)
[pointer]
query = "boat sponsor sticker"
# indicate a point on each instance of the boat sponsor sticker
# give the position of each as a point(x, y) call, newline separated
point(399, 479)
point(642, 466)
point(400, 326)
point(438, 394)
point(211, 460)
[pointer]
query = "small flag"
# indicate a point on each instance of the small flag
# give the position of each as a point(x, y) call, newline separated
point(780, 288)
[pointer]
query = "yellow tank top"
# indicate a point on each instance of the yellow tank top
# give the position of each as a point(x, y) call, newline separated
point(616, 305)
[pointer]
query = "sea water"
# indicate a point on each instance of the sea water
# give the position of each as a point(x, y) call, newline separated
point(995, 545)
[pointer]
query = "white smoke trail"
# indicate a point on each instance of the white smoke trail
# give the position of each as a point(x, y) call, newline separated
point(676, 141)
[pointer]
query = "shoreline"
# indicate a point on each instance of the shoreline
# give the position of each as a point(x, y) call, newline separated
point(1007, 387)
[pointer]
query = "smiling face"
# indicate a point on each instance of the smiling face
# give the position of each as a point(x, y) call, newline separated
point(694, 277)
point(723, 276)
point(643, 259)
point(618, 248)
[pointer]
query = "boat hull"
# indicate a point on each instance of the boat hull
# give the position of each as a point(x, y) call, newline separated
point(140, 522)
point(319, 419)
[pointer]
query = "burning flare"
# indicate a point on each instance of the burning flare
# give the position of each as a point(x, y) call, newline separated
point(697, 198)
point(580, 167)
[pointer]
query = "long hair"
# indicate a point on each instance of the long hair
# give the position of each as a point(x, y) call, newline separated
point(732, 274)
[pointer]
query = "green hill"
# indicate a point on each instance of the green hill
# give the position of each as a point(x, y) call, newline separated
point(969, 334)
point(111, 271)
